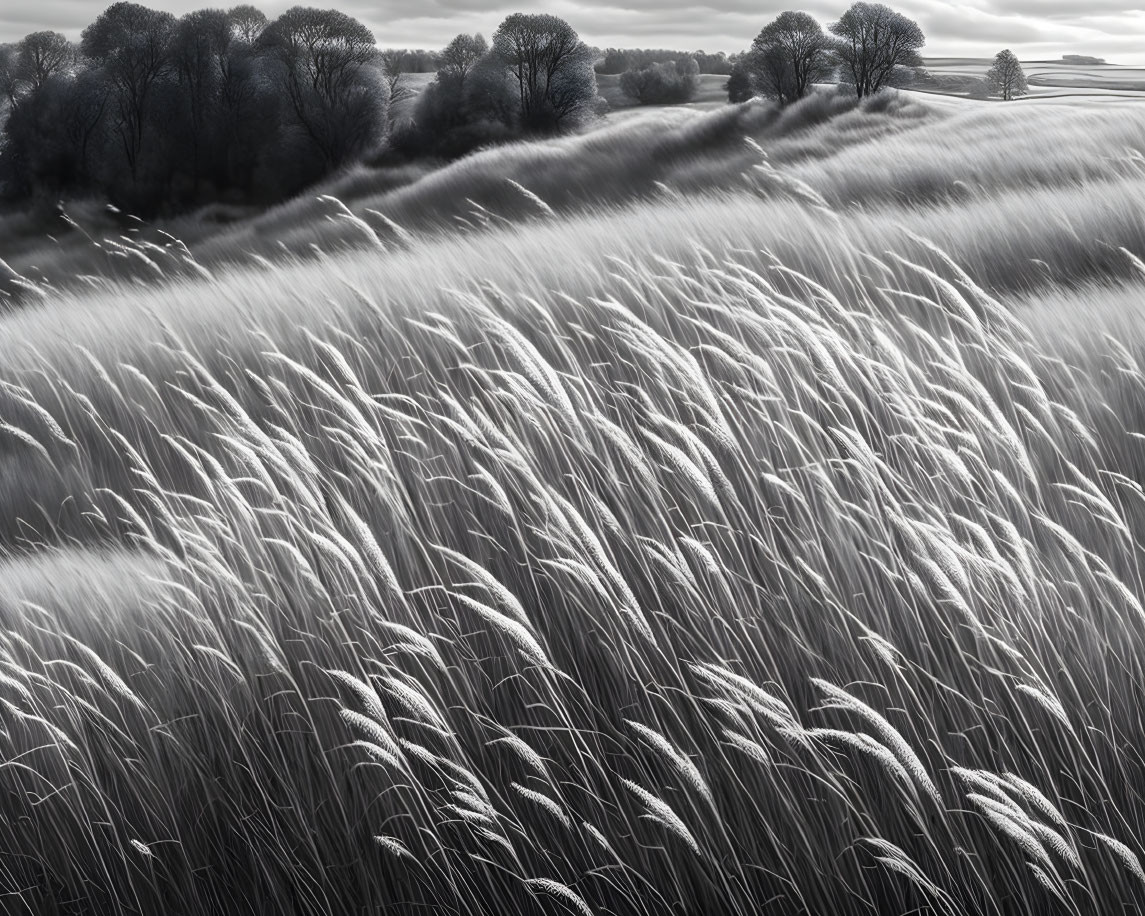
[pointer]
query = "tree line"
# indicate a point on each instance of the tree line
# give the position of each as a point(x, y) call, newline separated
point(159, 114)
point(534, 77)
point(614, 61)
point(871, 46)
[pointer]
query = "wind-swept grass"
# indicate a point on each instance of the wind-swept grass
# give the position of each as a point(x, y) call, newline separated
point(729, 554)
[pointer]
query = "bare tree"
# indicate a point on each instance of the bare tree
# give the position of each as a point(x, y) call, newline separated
point(1006, 78)
point(248, 22)
point(875, 45)
point(461, 56)
point(790, 54)
point(40, 56)
point(131, 45)
point(332, 76)
point(771, 75)
point(9, 81)
point(552, 67)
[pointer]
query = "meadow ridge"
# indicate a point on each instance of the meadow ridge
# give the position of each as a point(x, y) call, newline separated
point(719, 512)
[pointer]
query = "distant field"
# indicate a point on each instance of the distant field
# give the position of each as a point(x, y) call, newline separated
point(1047, 79)
point(954, 76)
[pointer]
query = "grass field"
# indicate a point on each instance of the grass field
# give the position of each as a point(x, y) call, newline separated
point(1047, 79)
point(722, 512)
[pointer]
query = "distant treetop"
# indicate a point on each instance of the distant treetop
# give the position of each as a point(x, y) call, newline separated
point(1082, 60)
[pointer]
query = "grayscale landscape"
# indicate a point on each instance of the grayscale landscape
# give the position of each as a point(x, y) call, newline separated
point(549, 475)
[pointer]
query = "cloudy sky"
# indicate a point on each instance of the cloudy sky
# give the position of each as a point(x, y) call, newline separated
point(1035, 29)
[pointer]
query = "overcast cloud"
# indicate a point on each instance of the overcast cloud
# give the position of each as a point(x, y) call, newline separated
point(1035, 29)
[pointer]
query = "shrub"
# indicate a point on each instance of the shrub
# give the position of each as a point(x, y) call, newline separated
point(670, 83)
point(456, 115)
point(739, 85)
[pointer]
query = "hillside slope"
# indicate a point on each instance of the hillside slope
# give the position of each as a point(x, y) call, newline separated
point(767, 545)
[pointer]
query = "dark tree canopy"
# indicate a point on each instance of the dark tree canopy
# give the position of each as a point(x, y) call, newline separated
point(324, 49)
point(740, 87)
point(536, 77)
point(616, 61)
point(551, 67)
point(333, 78)
point(54, 136)
point(159, 115)
point(130, 41)
point(461, 55)
point(131, 45)
point(1006, 77)
point(470, 103)
point(771, 75)
point(875, 46)
point(200, 50)
point(788, 55)
point(40, 56)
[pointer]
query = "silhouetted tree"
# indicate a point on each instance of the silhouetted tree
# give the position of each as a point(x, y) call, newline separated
point(552, 69)
point(163, 114)
point(200, 48)
point(40, 56)
point(788, 55)
point(491, 95)
point(52, 136)
point(471, 103)
point(739, 86)
point(248, 23)
point(332, 77)
point(1006, 77)
point(8, 79)
point(772, 75)
point(250, 104)
point(131, 46)
point(461, 55)
point(81, 118)
point(875, 46)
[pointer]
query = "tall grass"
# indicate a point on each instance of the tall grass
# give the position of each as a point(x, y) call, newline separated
point(725, 554)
